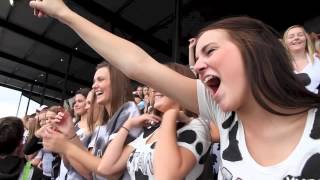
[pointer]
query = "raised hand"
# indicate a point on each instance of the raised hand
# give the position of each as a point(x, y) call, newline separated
point(141, 121)
point(171, 115)
point(176, 115)
point(52, 8)
point(192, 43)
point(40, 132)
point(63, 123)
point(54, 141)
point(38, 13)
point(192, 58)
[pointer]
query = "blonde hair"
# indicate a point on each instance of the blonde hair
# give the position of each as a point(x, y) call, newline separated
point(315, 41)
point(309, 45)
point(34, 125)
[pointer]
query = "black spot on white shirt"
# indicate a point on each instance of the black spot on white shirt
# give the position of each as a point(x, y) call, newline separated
point(232, 152)
point(153, 145)
point(131, 157)
point(227, 123)
point(139, 175)
point(304, 78)
point(199, 148)
point(310, 169)
point(187, 136)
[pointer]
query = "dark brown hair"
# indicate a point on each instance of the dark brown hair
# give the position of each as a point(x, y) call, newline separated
point(120, 88)
point(84, 92)
point(267, 64)
point(34, 125)
point(11, 134)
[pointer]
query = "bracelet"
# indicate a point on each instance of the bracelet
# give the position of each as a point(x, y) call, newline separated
point(125, 128)
point(75, 134)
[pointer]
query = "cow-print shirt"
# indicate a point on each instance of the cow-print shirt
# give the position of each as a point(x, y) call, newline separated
point(194, 136)
point(236, 161)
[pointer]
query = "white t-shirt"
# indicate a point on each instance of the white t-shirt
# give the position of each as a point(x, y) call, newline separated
point(194, 136)
point(25, 136)
point(312, 70)
point(236, 161)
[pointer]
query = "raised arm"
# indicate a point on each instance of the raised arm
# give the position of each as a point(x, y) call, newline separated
point(116, 155)
point(57, 142)
point(64, 125)
point(115, 158)
point(124, 55)
point(181, 159)
point(192, 61)
point(80, 168)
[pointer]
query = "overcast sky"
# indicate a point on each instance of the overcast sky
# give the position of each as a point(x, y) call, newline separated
point(9, 101)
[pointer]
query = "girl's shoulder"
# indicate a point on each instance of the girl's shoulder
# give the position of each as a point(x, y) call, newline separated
point(316, 58)
point(130, 106)
point(196, 127)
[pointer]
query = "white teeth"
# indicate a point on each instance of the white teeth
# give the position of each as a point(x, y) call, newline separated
point(296, 42)
point(98, 93)
point(208, 78)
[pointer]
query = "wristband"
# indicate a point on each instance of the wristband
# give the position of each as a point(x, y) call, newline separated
point(125, 128)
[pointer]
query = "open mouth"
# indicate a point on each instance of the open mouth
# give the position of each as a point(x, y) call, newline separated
point(213, 82)
point(98, 93)
point(296, 43)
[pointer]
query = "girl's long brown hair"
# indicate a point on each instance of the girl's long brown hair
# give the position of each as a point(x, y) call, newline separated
point(268, 67)
point(120, 89)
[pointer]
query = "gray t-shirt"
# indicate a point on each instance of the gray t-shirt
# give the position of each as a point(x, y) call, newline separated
point(85, 139)
point(47, 159)
point(101, 135)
